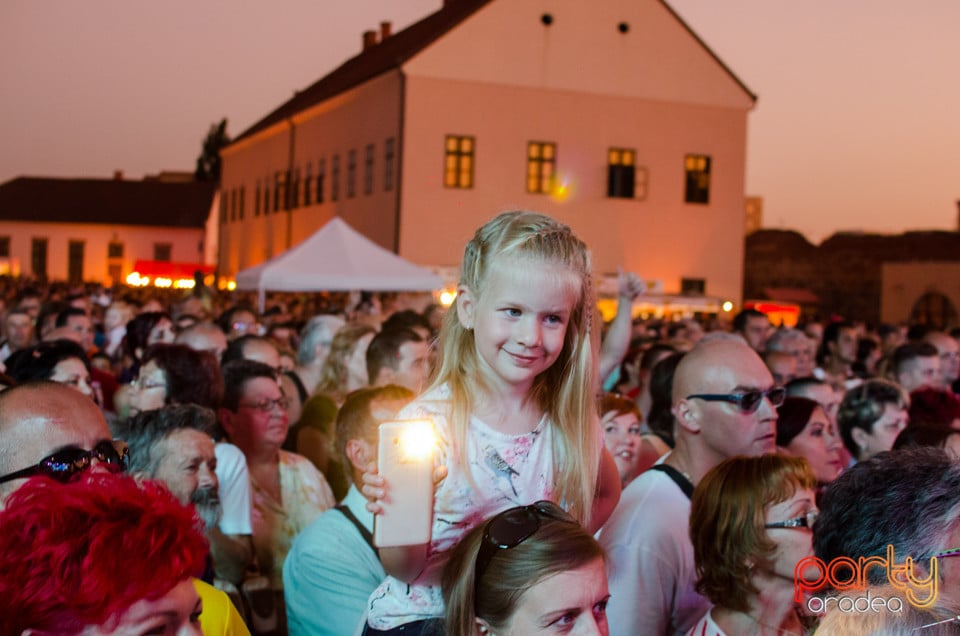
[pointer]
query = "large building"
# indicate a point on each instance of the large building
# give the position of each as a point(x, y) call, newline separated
point(612, 116)
point(95, 230)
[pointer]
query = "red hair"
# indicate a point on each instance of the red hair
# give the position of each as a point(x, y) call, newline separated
point(82, 553)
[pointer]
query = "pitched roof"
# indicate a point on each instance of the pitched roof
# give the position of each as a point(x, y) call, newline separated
point(107, 201)
point(387, 54)
point(394, 51)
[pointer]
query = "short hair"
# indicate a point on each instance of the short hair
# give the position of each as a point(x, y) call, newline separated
point(743, 316)
point(831, 333)
point(798, 386)
point(318, 330)
point(384, 350)
point(406, 319)
point(654, 354)
point(923, 435)
point(780, 337)
point(616, 403)
point(792, 417)
point(355, 419)
point(934, 407)
point(82, 553)
point(193, 377)
point(660, 418)
point(727, 519)
point(144, 432)
point(39, 361)
point(236, 374)
point(235, 348)
point(557, 546)
point(938, 620)
point(138, 330)
point(904, 498)
point(63, 317)
point(226, 319)
point(16, 311)
point(862, 406)
point(907, 353)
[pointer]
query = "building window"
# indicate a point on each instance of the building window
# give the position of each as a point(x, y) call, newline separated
point(266, 197)
point(368, 170)
point(280, 191)
point(351, 174)
point(75, 262)
point(4, 247)
point(240, 204)
point(38, 258)
point(114, 250)
point(541, 166)
point(335, 178)
point(698, 179)
point(295, 189)
point(233, 205)
point(458, 164)
point(621, 176)
point(224, 199)
point(693, 286)
point(388, 155)
point(256, 200)
point(321, 177)
point(162, 252)
point(308, 185)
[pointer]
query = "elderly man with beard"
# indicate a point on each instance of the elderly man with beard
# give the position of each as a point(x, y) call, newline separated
point(174, 444)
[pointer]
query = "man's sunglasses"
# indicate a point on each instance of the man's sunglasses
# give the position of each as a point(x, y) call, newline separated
point(748, 401)
point(65, 464)
point(512, 527)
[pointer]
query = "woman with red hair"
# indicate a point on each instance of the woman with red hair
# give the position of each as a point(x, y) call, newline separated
point(100, 555)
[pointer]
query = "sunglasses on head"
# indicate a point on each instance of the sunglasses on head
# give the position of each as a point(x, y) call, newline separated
point(748, 401)
point(512, 527)
point(69, 462)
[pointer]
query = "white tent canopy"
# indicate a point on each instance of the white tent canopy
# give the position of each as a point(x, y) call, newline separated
point(337, 258)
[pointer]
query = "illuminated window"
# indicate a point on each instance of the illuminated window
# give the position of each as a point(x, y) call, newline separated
point(308, 185)
point(335, 178)
point(388, 155)
point(368, 170)
point(458, 163)
point(321, 177)
point(541, 166)
point(698, 178)
point(621, 170)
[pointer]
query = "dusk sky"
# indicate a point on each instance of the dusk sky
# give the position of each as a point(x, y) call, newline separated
point(855, 127)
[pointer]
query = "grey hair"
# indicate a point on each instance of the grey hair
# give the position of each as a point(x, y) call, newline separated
point(905, 498)
point(318, 330)
point(146, 430)
point(782, 336)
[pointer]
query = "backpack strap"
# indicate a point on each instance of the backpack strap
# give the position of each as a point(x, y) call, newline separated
point(360, 527)
point(677, 477)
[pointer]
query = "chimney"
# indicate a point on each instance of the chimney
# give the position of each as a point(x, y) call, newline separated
point(118, 175)
point(384, 31)
point(369, 39)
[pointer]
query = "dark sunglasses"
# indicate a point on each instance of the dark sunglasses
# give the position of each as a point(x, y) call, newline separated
point(512, 527)
point(64, 465)
point(748, 401)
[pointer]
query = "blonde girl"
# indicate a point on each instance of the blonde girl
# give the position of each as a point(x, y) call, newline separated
point(513, 405)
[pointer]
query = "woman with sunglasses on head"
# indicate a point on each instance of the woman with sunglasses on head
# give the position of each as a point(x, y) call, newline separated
point(751, 522)
point(528, 570)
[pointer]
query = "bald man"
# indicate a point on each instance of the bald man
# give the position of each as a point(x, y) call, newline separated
point(41, 418)
point(723, 406)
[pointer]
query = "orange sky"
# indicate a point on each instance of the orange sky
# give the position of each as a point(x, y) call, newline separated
point(855, 126)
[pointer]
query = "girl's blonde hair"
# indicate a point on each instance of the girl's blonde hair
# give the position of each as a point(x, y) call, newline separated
point(565, 391)
point(334, 372)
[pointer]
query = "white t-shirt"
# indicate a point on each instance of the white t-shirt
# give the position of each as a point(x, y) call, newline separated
point(235, 497)
point(508, 470)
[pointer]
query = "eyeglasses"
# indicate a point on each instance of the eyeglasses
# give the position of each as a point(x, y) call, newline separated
point(512, 527)
point(266, 406)
point(65, 464)
point(948, 553)
point(140, 384)
point(748, 401)
point(804, 521)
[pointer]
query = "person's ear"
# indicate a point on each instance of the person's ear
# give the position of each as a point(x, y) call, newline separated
point(860, 438)
point(225, 416)
point(483, 627)
point(687, 415)
point(466, 307)
point(360, 453)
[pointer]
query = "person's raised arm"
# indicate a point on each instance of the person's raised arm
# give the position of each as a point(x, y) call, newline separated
point(617, 341)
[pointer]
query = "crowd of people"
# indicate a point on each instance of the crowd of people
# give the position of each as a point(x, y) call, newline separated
point(188, 464)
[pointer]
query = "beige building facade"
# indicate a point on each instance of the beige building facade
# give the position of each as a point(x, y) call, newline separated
point(921, 293)
point(610, 116)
